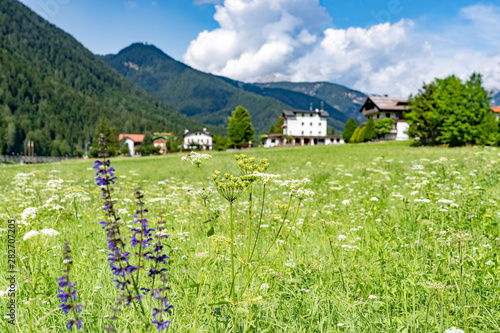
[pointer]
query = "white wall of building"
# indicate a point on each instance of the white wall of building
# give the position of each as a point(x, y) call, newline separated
point(272, 142)
point(130, 143)
point(201, 138)
point(305, 124)
point(402, 128)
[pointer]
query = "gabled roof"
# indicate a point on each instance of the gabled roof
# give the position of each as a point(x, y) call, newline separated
point(291, 113)
point(385, 104)
point(163, 135)
point(138, 138)
point(495, 109)
point(203, 132)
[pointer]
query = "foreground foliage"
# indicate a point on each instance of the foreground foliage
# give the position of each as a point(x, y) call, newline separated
point(395, 239)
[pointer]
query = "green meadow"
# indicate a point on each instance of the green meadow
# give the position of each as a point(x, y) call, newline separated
point(395, 239)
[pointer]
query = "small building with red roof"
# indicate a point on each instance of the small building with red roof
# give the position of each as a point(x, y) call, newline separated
point(132, 141)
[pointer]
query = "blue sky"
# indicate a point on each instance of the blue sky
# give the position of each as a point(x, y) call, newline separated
point(380, 46)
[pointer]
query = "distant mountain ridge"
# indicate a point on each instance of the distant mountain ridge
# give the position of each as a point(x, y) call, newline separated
point(495, 99)
point(53, 91)
point(348, 101)
point(210, 99)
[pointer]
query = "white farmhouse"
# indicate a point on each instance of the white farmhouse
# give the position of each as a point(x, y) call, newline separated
point(302, 127)
point(385, 107)
point(132, 141)
point(198, 140)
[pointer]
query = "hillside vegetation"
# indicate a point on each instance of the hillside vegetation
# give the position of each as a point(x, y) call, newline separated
point(53, 91)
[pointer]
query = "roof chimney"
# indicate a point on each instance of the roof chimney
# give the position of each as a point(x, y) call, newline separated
point(322, 106)
point(204, 130)
point(310, 106)
point(185, 131)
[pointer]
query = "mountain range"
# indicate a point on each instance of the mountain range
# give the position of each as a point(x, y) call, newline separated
point(210, 99)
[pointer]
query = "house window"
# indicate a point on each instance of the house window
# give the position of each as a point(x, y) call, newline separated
point(311, 124)
point(302, 132)
point(319, 132)
point(311, 114)
point(388, 115)
point(319, 124)
point(302, 124)
point(311, 132)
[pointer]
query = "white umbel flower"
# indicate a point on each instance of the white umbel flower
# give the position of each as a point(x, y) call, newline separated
point(49, 232)
point(196, 159)
point(266, 177)
point(30, 234)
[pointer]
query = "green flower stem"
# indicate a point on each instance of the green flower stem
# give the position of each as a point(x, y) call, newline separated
point(208, 195)
point(284, 243)
point(233, 294)
point(271, 245)
point(249, 233)
point(260, 221)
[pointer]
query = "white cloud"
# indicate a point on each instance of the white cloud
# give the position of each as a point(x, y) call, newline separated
point(267, 40)
point(257, 38)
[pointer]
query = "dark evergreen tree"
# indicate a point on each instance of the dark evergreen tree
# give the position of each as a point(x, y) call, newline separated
point(350, 127)
point(369, 130)
point(277, 128)
point(240, 128)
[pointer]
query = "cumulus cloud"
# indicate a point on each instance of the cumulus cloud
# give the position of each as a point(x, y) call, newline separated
point(257, 37)
point(275, 40)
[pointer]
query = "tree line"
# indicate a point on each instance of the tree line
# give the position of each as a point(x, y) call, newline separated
point(446, 111)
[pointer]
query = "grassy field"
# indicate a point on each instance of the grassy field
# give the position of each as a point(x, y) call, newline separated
point(395, 239)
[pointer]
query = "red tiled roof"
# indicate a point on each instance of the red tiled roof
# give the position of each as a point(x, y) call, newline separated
point(495, 109)
point(134, 137)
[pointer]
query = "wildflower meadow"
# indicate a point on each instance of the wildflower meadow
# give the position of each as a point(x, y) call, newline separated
point(379, 237)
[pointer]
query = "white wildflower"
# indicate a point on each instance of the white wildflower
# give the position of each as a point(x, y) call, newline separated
point(341, 237)
point(29, 212)
point(295, 184)
point(49, 232)
point(266, 177)
point(372, 297)
point(196, 159)
point(302, 193)
point(374, 199)
point(30, 234)
point(454, 330)
point(490, 263)
point(54, 182)
point(264, 286)
point(346, 202)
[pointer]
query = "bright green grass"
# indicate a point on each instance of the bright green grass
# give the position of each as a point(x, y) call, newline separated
point(431, 265)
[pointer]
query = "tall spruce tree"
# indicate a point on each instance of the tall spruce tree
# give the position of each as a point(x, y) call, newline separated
point(349, 129)
point(240, 128)
point(369, 130)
